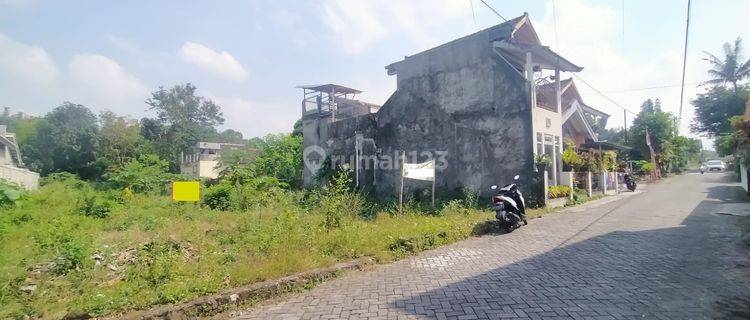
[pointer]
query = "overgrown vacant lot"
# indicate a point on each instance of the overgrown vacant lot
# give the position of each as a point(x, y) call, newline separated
point(68, 248)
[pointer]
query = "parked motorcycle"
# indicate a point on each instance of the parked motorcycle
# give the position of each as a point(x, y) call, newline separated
point(509, 206)
point(629, 182)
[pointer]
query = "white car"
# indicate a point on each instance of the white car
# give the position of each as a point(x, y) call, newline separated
point(714, 165)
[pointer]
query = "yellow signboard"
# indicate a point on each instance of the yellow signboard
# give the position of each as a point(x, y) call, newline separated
point(186, 191)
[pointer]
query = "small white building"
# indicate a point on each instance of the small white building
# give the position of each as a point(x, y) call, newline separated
point(11, 165)
point(204, 161)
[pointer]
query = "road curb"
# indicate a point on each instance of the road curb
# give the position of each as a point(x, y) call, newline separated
point(210, 305)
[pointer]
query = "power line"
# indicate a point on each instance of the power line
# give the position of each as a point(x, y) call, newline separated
point(493, 10)
point(602, 94)
point(473, 15)
point(577, 77)
point(647, 88)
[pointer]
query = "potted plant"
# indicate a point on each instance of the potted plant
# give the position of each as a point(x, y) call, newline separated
point(542, 161)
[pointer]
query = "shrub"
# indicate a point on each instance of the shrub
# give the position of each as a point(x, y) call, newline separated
point(64, 177)
point(146, 174)
point(218, 197)
point(470, 197)
point(92, 206)
point(10, 194)
point(255, 192)
point(339, 201)
point(571, 158)
point(559, 191)
point(455, 206)
point(71, 256)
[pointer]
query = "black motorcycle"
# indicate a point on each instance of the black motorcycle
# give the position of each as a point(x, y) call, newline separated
point(509, 206)
point(629, 182)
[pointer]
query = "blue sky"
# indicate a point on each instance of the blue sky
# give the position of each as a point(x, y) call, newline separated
point(248, 56)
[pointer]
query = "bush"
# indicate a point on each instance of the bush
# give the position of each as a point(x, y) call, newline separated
point(571, 158)
point(10, 194)
point(92, 206)
point(64, 177)
point(218, 197)
point(254, 193)
point(559, 191)
point(339, 201)
point(455, 206)
point(146, 174)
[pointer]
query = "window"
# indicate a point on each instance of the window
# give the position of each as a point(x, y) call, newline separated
point(539, 144)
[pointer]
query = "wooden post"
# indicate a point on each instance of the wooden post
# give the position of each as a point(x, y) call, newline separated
point(401, 191)
point(546, 187)
point(434, 177)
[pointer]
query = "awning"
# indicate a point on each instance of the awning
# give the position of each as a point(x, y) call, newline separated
point(328, 88)
point(608, 146)
point(540, 55)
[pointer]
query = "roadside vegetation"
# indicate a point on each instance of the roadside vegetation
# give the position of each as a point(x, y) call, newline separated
point(71, 248)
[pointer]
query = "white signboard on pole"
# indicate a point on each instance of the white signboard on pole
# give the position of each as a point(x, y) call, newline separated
point(420, 171)
point(417, 171)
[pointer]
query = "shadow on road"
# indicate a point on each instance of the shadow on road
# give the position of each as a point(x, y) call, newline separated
point(693, 271)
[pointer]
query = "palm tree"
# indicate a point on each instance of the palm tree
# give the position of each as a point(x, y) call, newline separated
point(730, 69)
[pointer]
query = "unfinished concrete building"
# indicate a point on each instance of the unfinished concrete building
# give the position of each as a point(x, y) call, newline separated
point(12, 168)
point(472, 104)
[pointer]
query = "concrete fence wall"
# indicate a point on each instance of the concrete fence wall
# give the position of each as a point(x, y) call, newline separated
point(27, 179)
point(603, 182)
point(744, 177)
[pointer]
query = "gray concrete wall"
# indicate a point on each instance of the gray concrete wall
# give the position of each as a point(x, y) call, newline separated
point(29, 180)
point(458, 103)
point(461, 99)
point(336, 140)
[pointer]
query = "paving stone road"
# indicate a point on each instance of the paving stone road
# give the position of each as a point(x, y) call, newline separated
point(660, 254)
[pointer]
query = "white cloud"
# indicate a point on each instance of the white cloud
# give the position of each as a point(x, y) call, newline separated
point(32, 82)
point(590, 36)
point(26, 63)
point(101, 81)
point(219, 63)
point(358, 25)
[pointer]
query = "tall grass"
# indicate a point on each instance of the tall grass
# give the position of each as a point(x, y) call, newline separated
point(70, 249)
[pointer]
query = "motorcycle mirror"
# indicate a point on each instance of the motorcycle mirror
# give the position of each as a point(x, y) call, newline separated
point(516, 177)
point(493, 187)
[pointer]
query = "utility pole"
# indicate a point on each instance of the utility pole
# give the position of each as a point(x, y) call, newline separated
point(625, 123)
point(684, 63)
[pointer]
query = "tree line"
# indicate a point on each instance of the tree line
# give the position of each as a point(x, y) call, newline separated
point(718, 113)
point(110, 147)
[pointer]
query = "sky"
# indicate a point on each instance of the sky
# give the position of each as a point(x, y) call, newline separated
point(248, 56)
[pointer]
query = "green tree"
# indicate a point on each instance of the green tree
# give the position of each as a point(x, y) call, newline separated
point(297, 128)
point(145, 174)
point(715, 107)
point(735, 140)
point(184, 118)
point(281, 157)
point(118, 141)
point(228, 135)
point(237, 165)
point(66, 141)
point(730, 69)
point(26, 129)
point(658, 123)
point(678, 151)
